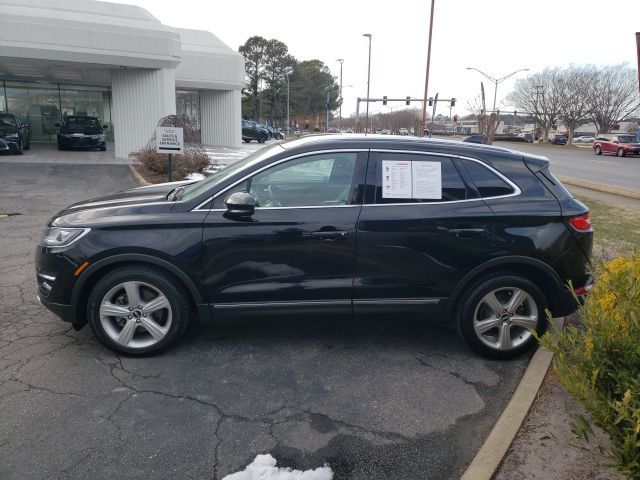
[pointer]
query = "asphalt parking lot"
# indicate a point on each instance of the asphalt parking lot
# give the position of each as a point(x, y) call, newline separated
point(386, 400)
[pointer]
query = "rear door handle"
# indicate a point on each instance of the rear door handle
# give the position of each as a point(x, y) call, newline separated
point(330, 234)
point(466, 232)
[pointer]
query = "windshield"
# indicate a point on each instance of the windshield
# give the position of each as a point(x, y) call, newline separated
point(89, 125)
point(211, 181)
point(8, 123)
point(626, 138)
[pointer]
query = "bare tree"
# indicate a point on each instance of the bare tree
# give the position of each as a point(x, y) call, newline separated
point(540, 96)
point(614, 96)
point(574, 92)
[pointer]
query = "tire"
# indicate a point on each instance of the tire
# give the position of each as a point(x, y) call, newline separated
point(598, 150)
point(145, 331)
point(103, 148)
point(60, 147)
point(620, 152)
point(262, 138)
point(20, 149)
point(27, 145)
point(493, 341)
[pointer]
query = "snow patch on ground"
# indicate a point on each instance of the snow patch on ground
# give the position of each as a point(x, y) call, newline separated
point(264, 467)
point(194, 176)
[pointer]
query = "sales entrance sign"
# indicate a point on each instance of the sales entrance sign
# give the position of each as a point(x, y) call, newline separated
point(169, 140)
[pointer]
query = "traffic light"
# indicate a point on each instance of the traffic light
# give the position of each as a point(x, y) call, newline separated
point(384, 100)
point(408, 102)
point(431, 101)
point(453, 102)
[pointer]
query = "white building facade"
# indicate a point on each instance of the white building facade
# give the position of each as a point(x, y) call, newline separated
point(116, 62)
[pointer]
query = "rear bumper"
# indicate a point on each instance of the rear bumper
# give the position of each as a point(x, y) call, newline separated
point(568, 301)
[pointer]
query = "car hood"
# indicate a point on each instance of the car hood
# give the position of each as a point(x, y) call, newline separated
point(119, 203)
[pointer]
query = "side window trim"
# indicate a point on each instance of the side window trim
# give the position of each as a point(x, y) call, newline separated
point(359, 151)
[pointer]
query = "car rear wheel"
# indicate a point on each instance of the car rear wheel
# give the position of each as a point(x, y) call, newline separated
point(138, 310)
point(598, 150)
point(620, 152)
point(498, 314)
point(262, 138)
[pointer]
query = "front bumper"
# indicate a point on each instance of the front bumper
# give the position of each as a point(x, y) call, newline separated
point(7, 145)
point(65, 312)
point(80, 142)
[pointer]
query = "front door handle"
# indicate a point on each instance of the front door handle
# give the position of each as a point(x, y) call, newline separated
point(330, 234)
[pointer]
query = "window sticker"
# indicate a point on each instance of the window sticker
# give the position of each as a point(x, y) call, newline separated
point(427, 180)
point(408, 179)
point(396, 179)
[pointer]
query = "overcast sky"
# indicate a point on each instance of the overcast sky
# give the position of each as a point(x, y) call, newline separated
point(495, 36)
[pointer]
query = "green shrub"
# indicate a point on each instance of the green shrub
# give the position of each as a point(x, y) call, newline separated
point(194, 159)
point(598, 360)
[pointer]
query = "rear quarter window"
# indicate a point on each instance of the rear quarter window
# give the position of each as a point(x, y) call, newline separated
point(486, 181)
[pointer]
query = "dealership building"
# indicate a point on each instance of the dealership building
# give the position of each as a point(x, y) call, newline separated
point(118, 63)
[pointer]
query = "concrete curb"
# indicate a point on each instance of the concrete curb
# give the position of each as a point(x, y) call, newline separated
point(599, 187)
point(139, 179)
point(490, 455)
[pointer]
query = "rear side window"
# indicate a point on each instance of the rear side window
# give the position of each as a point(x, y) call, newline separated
point(553, 184)
point(421, 183)
point(487, 182)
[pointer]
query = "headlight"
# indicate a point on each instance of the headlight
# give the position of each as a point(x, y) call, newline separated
point(62, 237)
point(98, 137)
point(12, 136)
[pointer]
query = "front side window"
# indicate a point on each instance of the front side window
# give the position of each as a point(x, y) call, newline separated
point(414, 178)
point(316, 180)
point(487, 182)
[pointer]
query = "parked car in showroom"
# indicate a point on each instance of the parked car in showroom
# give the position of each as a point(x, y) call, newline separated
point(81, 131)
point(252, 131)
point(482, 238)
point(15, 136)
point(620, 145)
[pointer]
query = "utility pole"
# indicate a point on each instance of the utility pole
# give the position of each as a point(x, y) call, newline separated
point(341, 60)
point(326, 125)
point(426, 81)
point(288, 122)
point(366, 122)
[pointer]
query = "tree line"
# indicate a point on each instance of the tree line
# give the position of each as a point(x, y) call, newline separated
point(268, 63)
point(577, 95)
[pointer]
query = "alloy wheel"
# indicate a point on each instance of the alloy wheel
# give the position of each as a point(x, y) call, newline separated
point(504, 318)
point(135, 314)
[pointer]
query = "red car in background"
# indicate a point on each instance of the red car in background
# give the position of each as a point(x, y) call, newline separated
point(621, 145)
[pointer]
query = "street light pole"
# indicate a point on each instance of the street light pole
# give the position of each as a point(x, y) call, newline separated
point(366, 122)
point(341, 60)
point(423, 122)
point(496, 81)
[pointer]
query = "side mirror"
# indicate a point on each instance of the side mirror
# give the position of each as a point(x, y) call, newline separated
point(56, 125)
point(104, 127)
point(240, 204)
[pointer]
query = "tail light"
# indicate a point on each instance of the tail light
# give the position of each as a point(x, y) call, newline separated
point(581, 223)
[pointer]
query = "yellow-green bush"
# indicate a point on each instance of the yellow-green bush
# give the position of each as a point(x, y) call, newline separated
point(598, 360)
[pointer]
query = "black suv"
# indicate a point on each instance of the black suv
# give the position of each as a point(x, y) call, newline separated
point(14, 135)
point(81, 131)
point(482, 237)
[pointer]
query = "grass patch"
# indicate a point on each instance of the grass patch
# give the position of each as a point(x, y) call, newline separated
point(616, 230)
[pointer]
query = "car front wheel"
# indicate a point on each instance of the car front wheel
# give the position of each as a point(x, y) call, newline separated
point(598, 150)
point(138, 310)
point(620, 152)
point(498, 314)
point(20, 148)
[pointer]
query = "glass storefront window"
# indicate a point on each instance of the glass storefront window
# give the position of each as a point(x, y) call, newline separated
point(36, 104)
point(41, 105)
point(188, 103)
